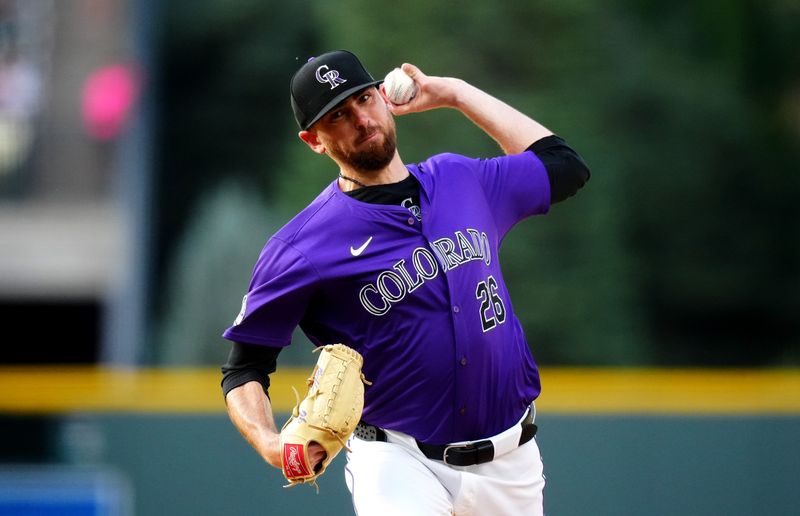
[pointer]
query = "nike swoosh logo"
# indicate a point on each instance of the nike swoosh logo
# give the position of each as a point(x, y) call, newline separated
point(357, 251)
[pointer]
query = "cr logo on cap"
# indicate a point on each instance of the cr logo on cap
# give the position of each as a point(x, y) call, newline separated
point(331, 77)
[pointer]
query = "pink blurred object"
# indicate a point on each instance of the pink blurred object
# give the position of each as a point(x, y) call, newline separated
point(108, 97)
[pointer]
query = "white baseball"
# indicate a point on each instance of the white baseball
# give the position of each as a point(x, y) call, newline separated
point(399, 87)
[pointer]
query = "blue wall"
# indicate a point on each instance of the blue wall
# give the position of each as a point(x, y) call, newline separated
point(599, 465)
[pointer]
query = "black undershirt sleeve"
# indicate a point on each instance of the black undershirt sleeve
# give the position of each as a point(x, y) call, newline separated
point(566, 170)
point(247, 363)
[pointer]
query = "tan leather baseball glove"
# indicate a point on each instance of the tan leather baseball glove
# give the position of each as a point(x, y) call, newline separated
point(327, 415)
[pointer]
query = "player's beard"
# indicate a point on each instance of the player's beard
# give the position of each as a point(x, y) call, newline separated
point(374, 156)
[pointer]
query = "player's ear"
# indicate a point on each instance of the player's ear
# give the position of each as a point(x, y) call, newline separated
point(382, 93)
point(312, 140)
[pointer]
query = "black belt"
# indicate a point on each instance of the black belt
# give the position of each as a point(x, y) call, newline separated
point(477, 452)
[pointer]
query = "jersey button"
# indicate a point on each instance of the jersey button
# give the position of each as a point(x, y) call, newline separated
point(463, 361)
point(456, 309)
point(410, 221)
point(462, 410)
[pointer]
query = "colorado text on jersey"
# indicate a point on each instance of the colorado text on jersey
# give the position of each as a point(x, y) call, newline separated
point(392, 286)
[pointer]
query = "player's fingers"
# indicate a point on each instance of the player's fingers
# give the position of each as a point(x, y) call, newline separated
point(316, 454)
point(402, 109)
point(412, 71)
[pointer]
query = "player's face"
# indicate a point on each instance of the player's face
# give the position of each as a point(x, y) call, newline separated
point(359, 132)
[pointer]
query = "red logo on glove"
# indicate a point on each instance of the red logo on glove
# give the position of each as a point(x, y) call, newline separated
point(294, 461)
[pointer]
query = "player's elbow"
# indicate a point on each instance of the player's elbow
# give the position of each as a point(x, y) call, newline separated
point(568, 178)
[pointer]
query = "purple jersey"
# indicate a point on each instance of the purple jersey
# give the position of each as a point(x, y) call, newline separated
point(424, 302)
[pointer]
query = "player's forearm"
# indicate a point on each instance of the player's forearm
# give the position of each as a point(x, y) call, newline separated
point(512, 130)
point(251, 413)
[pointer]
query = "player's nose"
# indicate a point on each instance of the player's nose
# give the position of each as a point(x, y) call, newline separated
point(361, 118)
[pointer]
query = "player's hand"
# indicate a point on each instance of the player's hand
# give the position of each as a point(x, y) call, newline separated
point(432, 92)
point(316, 454)
point(272, 449)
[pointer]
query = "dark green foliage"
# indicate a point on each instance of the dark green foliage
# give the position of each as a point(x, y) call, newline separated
point(223, 101)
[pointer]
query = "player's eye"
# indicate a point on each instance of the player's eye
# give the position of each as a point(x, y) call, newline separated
point(365, 97)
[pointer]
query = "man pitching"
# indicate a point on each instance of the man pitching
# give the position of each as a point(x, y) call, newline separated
point(400, 262)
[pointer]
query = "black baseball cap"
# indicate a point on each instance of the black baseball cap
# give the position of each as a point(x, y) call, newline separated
point(323, 82)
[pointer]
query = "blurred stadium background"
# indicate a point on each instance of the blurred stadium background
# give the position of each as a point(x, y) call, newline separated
point(147, 150)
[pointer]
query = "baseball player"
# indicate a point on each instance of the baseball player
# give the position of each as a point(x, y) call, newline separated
point(400, 262)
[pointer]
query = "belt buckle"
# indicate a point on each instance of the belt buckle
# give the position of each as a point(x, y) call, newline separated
point(447, 449)
point(484, 452)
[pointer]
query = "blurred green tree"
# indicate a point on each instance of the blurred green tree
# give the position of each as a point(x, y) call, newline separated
point(223, 103)
point(711, 176)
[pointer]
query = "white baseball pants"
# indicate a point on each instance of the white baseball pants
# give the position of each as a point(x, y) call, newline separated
point(395, 478)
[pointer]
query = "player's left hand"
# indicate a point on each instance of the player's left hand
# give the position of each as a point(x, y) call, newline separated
point(432, 92)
